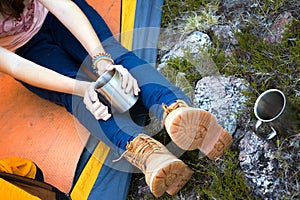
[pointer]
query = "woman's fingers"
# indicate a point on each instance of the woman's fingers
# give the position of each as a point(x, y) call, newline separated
point(136, 88)
point(129, 83)
point(101, 111)
point(93, 104)
point(93, 94)
point(126, 76)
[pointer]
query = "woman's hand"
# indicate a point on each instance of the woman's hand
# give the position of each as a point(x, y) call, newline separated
point(93, 104)
point(129, 83)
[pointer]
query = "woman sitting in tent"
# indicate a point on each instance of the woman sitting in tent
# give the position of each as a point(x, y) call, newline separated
point(46, 43)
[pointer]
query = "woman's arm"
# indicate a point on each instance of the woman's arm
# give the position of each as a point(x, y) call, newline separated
point(75, 20)
point(38, 76)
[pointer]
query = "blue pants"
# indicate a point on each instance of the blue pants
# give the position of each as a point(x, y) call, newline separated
point(56, 48)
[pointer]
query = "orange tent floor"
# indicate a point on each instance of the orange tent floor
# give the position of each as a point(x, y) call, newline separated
point(46, 133)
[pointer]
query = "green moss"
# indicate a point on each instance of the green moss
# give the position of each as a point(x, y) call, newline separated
point(184, 65)
point(182, 72)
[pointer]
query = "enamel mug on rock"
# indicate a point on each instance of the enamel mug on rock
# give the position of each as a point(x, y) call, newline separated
point(275, 115)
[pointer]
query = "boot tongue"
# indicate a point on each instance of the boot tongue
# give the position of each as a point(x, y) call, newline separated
point(172, 107)
point(150, 155)
point(147, 154)
point(142, 150)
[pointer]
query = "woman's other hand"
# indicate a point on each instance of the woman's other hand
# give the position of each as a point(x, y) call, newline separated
point(93, 104)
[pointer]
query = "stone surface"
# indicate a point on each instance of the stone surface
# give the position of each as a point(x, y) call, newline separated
point(258, 161)
point(224, 33)
point(278, 28)
point(222, 96)
point(195, 45)
point(190, 44)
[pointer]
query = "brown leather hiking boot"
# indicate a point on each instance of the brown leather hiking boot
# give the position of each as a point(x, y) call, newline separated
point(192, 128)
point(163, 171)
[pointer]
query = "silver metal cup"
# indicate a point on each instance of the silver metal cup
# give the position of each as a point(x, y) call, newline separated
point(275, 114)
point(109, 86)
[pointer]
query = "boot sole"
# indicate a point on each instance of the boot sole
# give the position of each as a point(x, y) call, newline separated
point(192, 129)
point(170, 178)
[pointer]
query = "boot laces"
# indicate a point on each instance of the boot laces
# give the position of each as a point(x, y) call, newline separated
point(137, 154)
point(168, 109)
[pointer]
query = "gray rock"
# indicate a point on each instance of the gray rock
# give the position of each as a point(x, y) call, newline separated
point(222, 96)
point(190, 44)
point(278, 28)
point(224, 33)
point(195, 45)
point(258, 161)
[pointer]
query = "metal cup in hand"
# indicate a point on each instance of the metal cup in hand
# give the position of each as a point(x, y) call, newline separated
point(275, 115)
point(109, 86)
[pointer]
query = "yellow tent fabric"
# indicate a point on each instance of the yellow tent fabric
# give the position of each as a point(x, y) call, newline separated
point(128, 16)
point(90, 173)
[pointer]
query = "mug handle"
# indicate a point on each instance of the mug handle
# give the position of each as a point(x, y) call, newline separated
point(263, 135)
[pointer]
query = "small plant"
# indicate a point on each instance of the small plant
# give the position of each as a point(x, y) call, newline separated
point(182, 73)
point(172, 10)
point(220, 179)
point(202, 20)
point(177, 65)
point(267, 6)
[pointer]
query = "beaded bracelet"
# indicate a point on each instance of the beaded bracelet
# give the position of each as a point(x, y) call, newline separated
point(101, 56)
